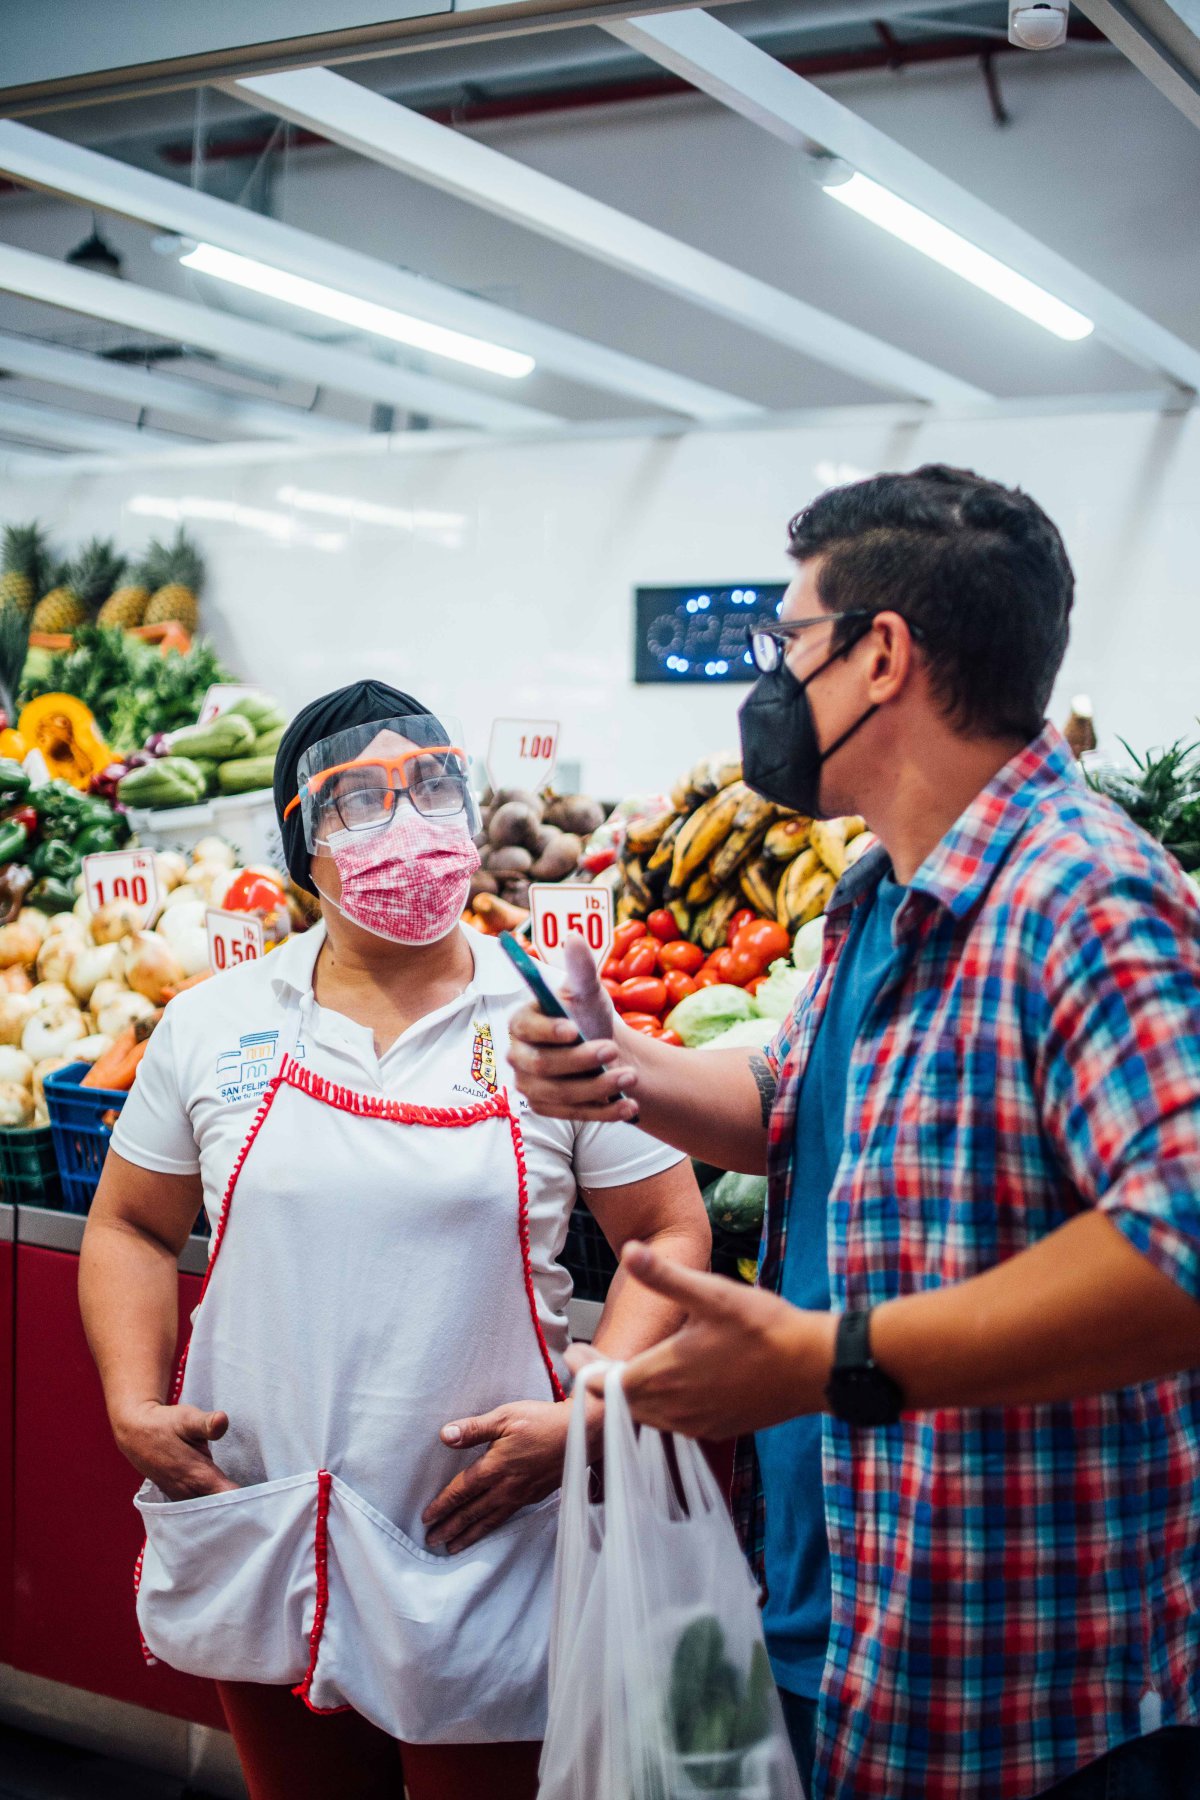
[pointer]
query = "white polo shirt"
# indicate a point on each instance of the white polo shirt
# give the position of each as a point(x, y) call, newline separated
point(210, 1060)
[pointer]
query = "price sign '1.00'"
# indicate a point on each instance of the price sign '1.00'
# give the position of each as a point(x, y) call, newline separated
point(127, 875)
point(522, 753)
point(559, 908)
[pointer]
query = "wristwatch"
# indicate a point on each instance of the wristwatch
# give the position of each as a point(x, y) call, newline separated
point(858, 1392)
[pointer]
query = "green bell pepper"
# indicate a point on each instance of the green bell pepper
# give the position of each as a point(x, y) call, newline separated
point(101, 836)
point(51, 896)
point(13, 838)
point(56, 859)
point(14, 782)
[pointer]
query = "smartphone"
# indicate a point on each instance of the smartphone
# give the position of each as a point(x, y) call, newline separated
point(533, 978)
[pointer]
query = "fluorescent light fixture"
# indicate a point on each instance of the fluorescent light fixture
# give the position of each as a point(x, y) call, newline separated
point(933, 239)
point(362, 315)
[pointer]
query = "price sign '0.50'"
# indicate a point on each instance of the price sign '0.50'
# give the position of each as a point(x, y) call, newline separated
point(559, 908)
point(522, 754)
point(127, 875)
point(233, 938)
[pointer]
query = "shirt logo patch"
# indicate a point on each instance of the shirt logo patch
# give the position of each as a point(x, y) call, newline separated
point(247, 1072)
point(483, 1059)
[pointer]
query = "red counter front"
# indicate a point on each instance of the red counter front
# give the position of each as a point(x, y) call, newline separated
point(75, 1534)
point(7, 1383)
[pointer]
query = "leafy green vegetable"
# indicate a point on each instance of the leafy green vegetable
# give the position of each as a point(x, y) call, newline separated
point(781, 990)
point(130, 686)
point(714, 1716)
point(710, 1011)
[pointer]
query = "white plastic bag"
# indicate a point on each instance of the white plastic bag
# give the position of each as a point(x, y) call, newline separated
point(660, 1688)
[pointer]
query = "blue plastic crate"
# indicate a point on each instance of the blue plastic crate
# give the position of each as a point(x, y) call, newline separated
point(81, 1123)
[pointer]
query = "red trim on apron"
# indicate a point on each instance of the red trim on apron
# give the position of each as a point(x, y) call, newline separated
point(369, 1106)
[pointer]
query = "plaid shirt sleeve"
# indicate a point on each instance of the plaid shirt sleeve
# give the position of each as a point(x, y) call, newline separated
point(1119, 1063)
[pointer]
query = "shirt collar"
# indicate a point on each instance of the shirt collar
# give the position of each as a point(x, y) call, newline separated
point(294, 964)
point(958, 871)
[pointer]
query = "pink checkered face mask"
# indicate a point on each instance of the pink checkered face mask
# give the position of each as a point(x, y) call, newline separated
point(409, 881)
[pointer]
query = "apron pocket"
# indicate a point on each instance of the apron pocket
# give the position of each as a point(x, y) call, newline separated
point(228, 1580)
point(435, 1648)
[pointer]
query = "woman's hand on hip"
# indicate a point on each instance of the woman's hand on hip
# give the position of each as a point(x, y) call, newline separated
point(169, 1445)
point(527, 1441)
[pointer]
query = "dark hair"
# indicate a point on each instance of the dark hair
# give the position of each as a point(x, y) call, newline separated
point(977, 568)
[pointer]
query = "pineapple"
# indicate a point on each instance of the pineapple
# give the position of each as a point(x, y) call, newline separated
point(22, 566)
point(126, 605)
point(178, 597)
point(79, 588)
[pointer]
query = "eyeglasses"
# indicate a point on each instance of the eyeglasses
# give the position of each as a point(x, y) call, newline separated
point(363, 795)
point(768, 643)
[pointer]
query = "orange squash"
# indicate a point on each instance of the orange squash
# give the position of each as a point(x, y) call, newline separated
point(65, 732)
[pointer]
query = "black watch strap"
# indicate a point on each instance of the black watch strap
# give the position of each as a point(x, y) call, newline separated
point(858, 1391)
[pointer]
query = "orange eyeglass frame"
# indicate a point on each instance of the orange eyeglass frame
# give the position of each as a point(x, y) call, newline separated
point(395, 765)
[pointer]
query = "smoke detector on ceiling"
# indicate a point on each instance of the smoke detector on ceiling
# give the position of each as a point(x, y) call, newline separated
point(1040, 26)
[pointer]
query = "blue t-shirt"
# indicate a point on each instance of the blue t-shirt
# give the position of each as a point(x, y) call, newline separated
point(796, 1616)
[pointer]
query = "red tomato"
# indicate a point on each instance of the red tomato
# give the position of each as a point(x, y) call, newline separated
point(708, 978)
point(625, 935)
point(641, 1021)
point(612, 968)
point(652, 1030)
point(764, 939)
point(662, 925)
point(740, 918)
point(671, 1037)
point(642, 994)
point(686, 957)
point(741, 967)
point(678, 985)
point(642, 959)
point(718, 963)
point(251, 892)
point(611, 988)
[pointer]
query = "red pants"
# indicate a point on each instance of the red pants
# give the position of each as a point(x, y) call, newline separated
point(290, 1753)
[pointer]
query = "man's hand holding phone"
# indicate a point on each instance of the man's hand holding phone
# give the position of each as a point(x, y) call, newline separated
point(578, 1063)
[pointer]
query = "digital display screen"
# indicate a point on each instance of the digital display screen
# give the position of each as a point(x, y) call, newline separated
point(699, 633)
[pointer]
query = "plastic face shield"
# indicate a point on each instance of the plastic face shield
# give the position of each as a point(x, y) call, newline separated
point(362, 780)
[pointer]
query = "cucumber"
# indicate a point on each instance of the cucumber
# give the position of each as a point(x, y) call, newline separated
point(260, 712)
point(171, 781)
point(246, 774)
point(227, 735)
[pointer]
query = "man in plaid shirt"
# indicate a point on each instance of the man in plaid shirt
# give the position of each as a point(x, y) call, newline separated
point(1002, 1047)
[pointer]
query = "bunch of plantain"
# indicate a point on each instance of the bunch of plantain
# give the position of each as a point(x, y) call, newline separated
point(723, 847)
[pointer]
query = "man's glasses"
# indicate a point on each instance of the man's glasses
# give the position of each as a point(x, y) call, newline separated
point(768, 643)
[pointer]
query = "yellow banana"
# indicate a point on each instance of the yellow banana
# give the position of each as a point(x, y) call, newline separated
point(858, 846)
point(703, 832)
point(810, 901)
point(701, 888)
point(797, 873)
point(664, 851)
point(749, 827)
point(634, 878)
point(682, 917)
point(758, 882)
point(787, 838)
point(644, 835)
point(712, 924)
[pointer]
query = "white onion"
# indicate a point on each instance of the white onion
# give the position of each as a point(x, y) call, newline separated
point(89, 1049)
point(150, 966)
point(214, 850)
point(51, 993)
point(220, 885)
point(16, 1010)
point(37, 920)
point(52, 1031)
point(81, 911)
point(94, 963)
point(191, 949)
point(106, 991)
point(177, 921)
point(125, 1010)
point(119, 919)
point(172, 869)
point(56, 957)
point(15, 1065)
point(19, 946)
point(15, 981)
point(67, 924)
point(48, 1066)
point(16, 1105)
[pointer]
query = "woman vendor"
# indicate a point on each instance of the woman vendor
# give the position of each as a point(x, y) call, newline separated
point(350, 1491)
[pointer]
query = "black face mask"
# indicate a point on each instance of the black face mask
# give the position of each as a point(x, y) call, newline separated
point(781, 758)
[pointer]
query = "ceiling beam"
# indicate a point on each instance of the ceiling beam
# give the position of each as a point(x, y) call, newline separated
point(37, 361)
point(60, 167)
point(77, 431)
point(1160, 39)
point(262, 346)
point(734, 71)
point(373, 126)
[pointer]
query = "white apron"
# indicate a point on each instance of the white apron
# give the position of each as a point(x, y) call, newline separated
point(369, 1282)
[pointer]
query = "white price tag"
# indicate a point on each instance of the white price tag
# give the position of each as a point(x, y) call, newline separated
point(233, 938)
point(559, 907)
point(522, 754)
point(223, 696)
point(130, 875)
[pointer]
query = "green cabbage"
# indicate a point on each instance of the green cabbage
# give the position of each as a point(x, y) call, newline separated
point(781, 990)
point(744, 1034)
point(708, 1012)
point(806, 951)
